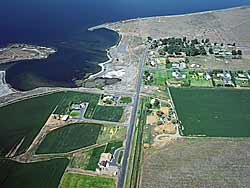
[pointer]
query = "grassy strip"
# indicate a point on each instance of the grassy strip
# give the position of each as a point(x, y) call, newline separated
point(133, 171)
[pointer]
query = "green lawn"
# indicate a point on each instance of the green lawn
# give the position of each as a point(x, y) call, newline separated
point(75, 114)
point(24, 120)
point(213, 112)
point(125, 100)
point(31, 175)
point(160, 77)
point(70, 138)
point(108, 113)
point(201, 83)
point(71, 180)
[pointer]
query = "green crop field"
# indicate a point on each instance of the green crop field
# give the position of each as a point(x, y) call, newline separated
point(96, 153)
point(31, 175)
point(108, 113)
point(71, 180)
point(78, 97)
point(70, 138)
point(94, 158)
point(213, 112)
point(24, 120)
point(125, 100)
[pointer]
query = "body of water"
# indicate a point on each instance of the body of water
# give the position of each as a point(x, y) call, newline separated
point(63, 24)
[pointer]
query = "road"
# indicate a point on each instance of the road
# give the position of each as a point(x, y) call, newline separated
point(122, 174)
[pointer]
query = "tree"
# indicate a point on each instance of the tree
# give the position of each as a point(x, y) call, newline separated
point(203, 51)
point(150, 39)
point(184, 39)
point(239, 52)
point(207, 41)
point(195, 41)
point(148, 105)
point(234, 52)
point(211, 51)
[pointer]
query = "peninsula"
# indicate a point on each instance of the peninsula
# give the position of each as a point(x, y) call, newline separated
point(17, 52)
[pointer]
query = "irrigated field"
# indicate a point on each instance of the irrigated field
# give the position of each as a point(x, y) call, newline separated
point(70, 97)
point(71, 180)
point(198, 162)
point(23, 120)
point(89, 160)
point(70, 138)
point(31, 175)
point(213, 112)
point(108, 113)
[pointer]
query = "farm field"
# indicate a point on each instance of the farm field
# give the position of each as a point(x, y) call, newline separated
point(71, 180)
point(31, 175)
point(108, 113)
point(70, 138)
point(198, 162)
point(70, 97)
point(213, 112)
point(111, 133)
point(125, 100)
point(26, 118)
point(89, 160)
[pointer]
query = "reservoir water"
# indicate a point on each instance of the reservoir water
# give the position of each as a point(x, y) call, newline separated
point(63, 24)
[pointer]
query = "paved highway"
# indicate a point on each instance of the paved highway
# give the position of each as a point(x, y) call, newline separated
point(122, 174)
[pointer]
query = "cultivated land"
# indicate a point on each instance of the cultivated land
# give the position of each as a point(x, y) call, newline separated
point(70, 138)
point(30, 175)
point(22, 121)
point(198, 162)
point(225, 26)
point(71, 97)
point(71, 180)
point(108, 113)
point(213, 112)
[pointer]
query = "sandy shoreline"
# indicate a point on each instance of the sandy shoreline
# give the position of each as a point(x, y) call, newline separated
point(106, 25)
point(110, 59)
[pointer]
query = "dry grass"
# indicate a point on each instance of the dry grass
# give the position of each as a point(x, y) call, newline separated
point(198, 162)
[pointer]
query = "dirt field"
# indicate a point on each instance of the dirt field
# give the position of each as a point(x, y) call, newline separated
point(198, 162)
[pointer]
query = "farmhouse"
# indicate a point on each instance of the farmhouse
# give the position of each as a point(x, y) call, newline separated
point(103, 161)
point(178, 75)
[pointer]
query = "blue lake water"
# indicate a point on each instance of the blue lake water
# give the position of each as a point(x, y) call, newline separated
point(63, 24)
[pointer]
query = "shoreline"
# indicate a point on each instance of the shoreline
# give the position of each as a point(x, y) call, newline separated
point(106, 25)
point(115, 26)
point(110, 58)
